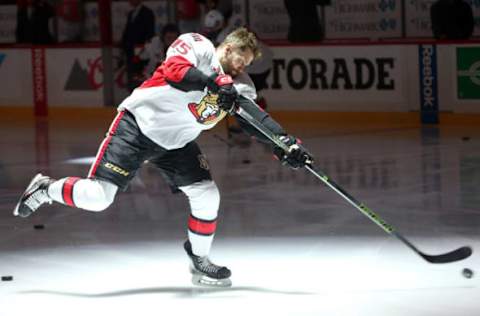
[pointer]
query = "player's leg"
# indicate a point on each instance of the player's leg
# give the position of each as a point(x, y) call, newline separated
point(204, 200)
point(88, 194)
point(188, 170)
point(119, 156)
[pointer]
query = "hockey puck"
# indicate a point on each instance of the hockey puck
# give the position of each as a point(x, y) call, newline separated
point(40, 226)
point(467, 273)
point(465, 138)
point(246, 161)
point(7, 278)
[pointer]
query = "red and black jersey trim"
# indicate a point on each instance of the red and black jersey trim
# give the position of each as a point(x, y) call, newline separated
point(171, 70)
point(202, 227)
point(67, 190)
point(179, 73)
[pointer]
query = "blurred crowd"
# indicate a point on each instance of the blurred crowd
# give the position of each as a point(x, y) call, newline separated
point(52, 21)
point(144, 43)
point(145, 48)
point(39, 21)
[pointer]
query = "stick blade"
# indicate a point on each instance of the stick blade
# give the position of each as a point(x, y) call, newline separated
point(452, 256)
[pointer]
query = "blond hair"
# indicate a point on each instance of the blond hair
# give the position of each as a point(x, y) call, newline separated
point(243, 39)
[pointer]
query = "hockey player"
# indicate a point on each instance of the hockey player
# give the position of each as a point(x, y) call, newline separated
point(191, 91)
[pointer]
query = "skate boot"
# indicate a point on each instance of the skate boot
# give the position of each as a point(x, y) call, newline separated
point(34, 196)
point(204, 272)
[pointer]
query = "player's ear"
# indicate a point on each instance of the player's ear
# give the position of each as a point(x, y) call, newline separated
point(228, 49)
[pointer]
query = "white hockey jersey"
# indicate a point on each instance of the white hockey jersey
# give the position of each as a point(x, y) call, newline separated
point(171, 117)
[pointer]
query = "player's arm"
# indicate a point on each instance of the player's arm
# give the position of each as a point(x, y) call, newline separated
point(188, 78)
point(180, 70)
point(263, 117)
point(181, 74)
point(297, 155)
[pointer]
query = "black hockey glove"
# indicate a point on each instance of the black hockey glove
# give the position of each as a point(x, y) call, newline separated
point(227, 94)
point(296, 157)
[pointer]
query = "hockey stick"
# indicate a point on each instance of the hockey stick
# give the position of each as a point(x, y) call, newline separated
point(452, 256)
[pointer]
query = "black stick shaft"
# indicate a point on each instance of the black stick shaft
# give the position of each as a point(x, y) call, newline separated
point(319, 174)
point(359, 206)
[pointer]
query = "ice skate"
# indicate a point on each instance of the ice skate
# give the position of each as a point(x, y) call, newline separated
point(34, 196)
point(205, 273)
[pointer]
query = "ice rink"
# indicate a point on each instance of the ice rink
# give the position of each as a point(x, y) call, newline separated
point(294, 246)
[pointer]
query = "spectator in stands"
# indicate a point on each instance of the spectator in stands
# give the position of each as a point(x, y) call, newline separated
point(304, 21)
point(213, 26)
point(33, 22)
point(225, 7)
point(189, 14)
point(452, 19)
point(155, 51)
point(216, 26)
point(169, 34)
point(139, 29)
point(209, 4)
point(71, 18)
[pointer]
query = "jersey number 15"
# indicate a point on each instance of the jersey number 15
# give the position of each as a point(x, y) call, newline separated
point(181, 47)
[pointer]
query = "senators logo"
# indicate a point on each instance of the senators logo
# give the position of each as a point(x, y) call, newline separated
point(207, 111)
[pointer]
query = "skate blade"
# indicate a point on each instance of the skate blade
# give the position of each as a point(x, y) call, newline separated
point(203, 280)
point(29, 187)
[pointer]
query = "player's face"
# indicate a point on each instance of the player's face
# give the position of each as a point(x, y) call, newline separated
point(235, 61)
